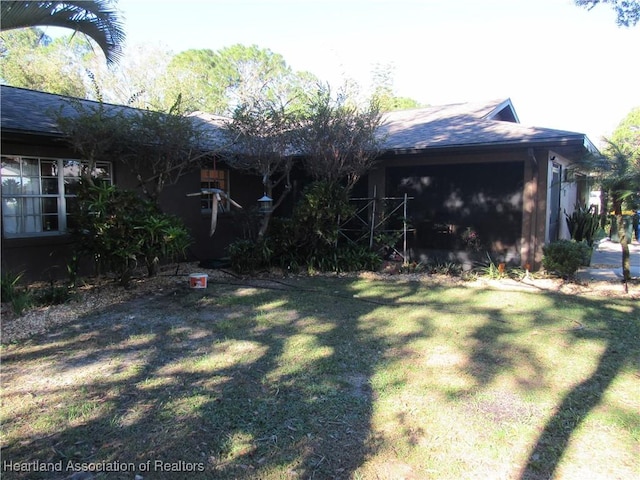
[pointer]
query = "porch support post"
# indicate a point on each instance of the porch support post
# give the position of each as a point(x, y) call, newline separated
point(534, 218)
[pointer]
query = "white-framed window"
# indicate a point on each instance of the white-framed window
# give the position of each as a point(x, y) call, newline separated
point(38, 193)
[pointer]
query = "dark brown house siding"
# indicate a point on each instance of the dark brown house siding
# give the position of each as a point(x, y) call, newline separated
point(464, 165)
point(499, 193)
point(244, 189)
point(451, 202)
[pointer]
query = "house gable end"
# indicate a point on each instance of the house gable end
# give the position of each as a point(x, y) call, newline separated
point(504, 112)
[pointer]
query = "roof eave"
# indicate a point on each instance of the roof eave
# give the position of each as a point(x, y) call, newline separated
point(580, 141)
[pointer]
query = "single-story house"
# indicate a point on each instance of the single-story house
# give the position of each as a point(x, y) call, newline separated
point(473, 178)
point(481, 180)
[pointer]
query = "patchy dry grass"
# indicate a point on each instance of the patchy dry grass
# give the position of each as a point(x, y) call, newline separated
point(328, 377)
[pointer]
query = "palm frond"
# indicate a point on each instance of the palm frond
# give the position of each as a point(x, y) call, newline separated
point(97, 19)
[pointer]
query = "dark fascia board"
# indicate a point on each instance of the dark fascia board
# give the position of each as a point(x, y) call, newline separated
point(12, 133)
point(579, 142)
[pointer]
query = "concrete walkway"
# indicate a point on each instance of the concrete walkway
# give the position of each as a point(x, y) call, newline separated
point(606, 262)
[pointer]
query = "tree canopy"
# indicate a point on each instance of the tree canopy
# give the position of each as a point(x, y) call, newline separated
point(219, 81)
point(627, 134)
point(30, 59)
point(384, 92)
point(157, 147)
point(617, 172)
point(627, 11)
point(338, 137)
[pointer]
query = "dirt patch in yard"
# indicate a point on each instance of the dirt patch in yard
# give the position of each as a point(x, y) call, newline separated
point(103, 294)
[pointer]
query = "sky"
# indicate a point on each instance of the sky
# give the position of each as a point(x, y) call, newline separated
point(562, 66)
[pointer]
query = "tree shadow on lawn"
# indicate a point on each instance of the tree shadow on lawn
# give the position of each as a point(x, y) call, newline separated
point(615, 323)
point(248, 382)
point(620, 332)
point(220, 386)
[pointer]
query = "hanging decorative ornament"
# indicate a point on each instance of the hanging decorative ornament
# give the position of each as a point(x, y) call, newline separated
point(266, 203)
point(217, 196)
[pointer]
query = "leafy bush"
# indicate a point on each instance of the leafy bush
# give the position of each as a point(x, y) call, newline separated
point(19, 297)
point(54, 294)
point(342, 258)
point(439, 267)
point(316, 217)
point(164, 237)
point(309, 240)
point(9, 282)
point(564, 257)
point(119, 230)
point(22, 297)
point(248, 256)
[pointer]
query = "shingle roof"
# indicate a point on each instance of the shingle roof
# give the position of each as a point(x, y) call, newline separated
point(30, 111)
point(446, 126)
point(465, 124)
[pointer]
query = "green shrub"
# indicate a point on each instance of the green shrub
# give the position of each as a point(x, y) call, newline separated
point(316, 216)
point(452, 269)
point(24, 297)
point(164, 237)
point(564, 257)
point(9, 288)
point(54, 294)
point(247, 256)
point(353, 258)
point(309, 240)
point(19, 297)
point(120, 230)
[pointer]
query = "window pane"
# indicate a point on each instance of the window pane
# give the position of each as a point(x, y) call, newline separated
point(10, 166)
point(49, 223)
point(48, 168)
point(31, 224)
point(10, 211)
point(50, 186)
point(11, 185)
point(102, 170)
point(30, 167)
point(31, 206)
point(31, 186)
point(31, 193)
point(213, 178)
point(71, 168)
point(50, 205)
point(71, 186)
point(72, 208)
point(21, 215)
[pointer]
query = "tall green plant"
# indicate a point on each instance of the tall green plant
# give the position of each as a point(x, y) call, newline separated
point(18, 297)
point(120, 230)
point(311, 238)
point(618, 174)
point(319, 211)
point(583, 224)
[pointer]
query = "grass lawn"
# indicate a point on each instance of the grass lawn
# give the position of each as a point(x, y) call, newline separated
point(327, 377)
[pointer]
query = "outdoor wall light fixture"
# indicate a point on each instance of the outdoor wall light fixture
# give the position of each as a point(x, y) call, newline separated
point(266, 202)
